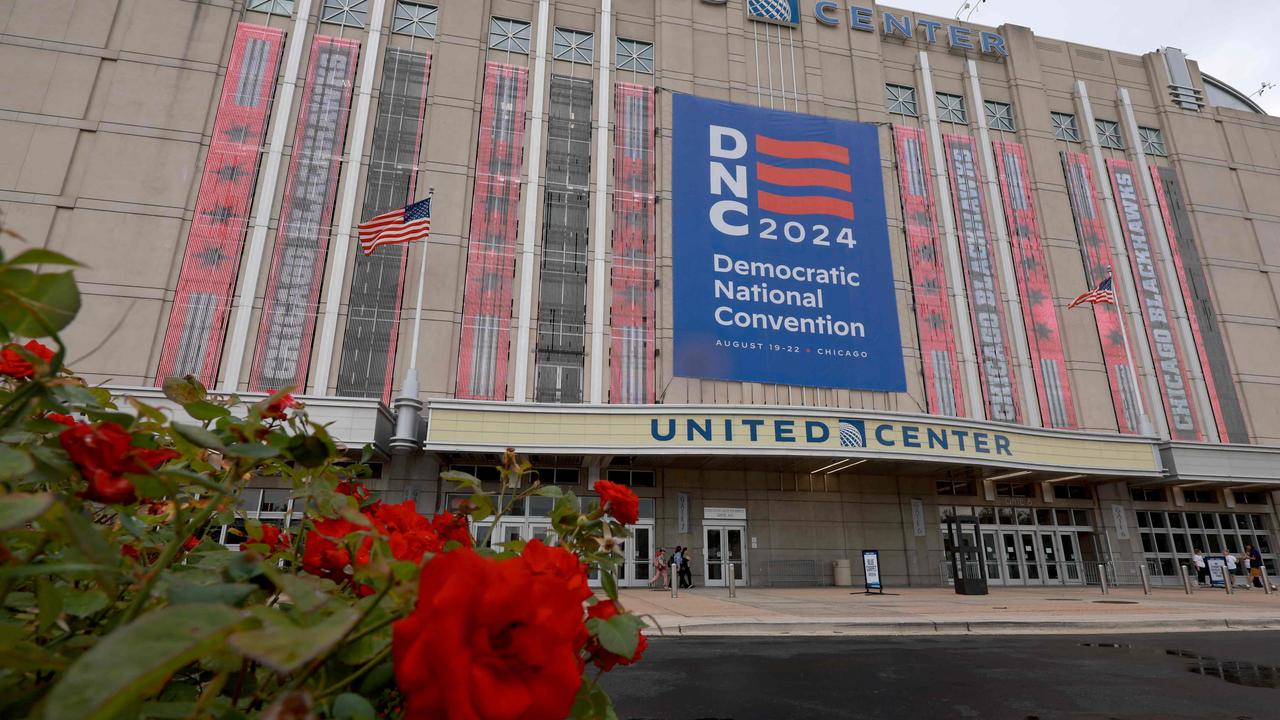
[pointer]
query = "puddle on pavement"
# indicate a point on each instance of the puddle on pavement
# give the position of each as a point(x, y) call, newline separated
point(1117, 602)
point(1233, 671)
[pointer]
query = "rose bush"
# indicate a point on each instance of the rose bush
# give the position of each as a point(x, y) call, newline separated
point(118, 600)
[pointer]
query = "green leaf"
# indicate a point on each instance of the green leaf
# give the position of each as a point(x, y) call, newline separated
point(83, 603)
point(148, 411)
point(137, 660)
point(592, 703)
point(205, 410)
point(619, 634)
point(14, 462)
point(285, 647)
point(50, 604)
point(75, 395)
point(18, 509)
point(51, 303)
point(481, 506)
point(183, 593)
point(610, 584)
point(41, 256)
point(461, 478)
point(253, 451)
point(549, 491)
point(306, 592)
point(309, 451)
point(184, 390)
point(198, 436)
point(349, 706)
point(26, 656)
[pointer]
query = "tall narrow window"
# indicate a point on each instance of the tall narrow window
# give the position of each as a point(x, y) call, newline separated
point(416, 19)
point(999, 115)
point(1064, 126)
point(574, 46)
point(901, 99)
point(1152, 141)
point(562, 296)
point(510, 35)
point(1109, 134)
point(631, 314)
point(951, 108)
point(345, 12)
point(634, 55)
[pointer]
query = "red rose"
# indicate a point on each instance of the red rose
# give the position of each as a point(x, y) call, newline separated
point(142, 459)
point(190, 543)
point(326, 555)
point(602, 658)
point(409, 534)
point(274, 538)
point(13, 364)
point(452, 527)
point(489, 639)
point(558, 565)
point(618, 501)
point(103, 453)
point(60, 419)
point(275, 410)
point(354, 489)
point(130, 551)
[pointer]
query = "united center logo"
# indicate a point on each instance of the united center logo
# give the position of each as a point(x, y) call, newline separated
point(781, 12)
point(853, 434)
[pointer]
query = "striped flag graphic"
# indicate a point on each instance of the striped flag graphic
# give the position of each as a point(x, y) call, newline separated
point(402, 225)
point(812, 167)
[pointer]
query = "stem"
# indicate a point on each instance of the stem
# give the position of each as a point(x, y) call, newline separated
point(315, 664)
point(172, 549)
point(207, 696)
point(355, 674)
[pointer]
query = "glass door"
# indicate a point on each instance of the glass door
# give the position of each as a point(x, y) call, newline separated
point(1012, 566)
point(724, 545)
point(1049, 554)
point(1029, 556)
point(991, 555)
point(638, 565)
point(1070, 557)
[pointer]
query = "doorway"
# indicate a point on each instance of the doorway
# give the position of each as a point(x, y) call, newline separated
point(724, 544)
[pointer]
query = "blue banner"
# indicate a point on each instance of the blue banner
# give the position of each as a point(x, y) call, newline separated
point(781, 250)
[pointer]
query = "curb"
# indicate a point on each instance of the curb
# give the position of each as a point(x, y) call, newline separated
point(713, 627)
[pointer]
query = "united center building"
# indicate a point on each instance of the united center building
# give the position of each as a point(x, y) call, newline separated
point(797, 272)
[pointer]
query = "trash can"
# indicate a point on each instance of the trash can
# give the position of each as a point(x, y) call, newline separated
point(842, 572)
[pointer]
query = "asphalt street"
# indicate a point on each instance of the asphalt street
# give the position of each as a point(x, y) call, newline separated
point(1232, 675)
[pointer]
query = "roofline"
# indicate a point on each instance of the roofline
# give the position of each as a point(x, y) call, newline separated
point(1233, 92)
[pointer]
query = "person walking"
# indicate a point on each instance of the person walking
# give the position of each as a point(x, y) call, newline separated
point(662, 571)
point(677, 561)
point(1232, 564)
point(1202, 570)
point(1255, 565)
point(686, 570)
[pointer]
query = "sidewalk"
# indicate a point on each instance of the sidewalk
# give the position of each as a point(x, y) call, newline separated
point(923, 611)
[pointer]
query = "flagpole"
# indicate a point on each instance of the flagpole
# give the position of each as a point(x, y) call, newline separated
point(1144, 421)
point(407, 406)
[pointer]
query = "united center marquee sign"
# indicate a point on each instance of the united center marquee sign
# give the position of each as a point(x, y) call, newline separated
point(455, 426)
point(781, 250)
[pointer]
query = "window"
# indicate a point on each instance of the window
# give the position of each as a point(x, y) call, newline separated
point(999, 115)
point(1109, 134)
point(951, 108)
point(269, 506)
point(1014, 489)
point(633, 478)
point(512, 35)
point(558, 476)
point(345, 12)
point(283, 7)
point(1064, 126)
point(1147, 494)
point(574, 46)
point(1200, 496)
point(900, 99)
point(956, 487)
point(1250, 497)
point(484, 473)
point(634, 55)
point(1152, 141)
point(415, 19)
point(1071, 491)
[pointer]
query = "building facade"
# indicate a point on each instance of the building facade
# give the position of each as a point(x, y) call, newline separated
point(209, 162)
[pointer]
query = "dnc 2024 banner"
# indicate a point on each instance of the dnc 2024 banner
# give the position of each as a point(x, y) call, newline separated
point(781, 250)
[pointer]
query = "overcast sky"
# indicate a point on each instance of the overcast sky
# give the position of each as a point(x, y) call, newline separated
point(1236, 41)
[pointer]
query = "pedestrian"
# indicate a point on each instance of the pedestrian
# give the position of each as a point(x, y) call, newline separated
point(686, 570)
point(1255, 565)
point(677, 561)
point(1197, 557)
point(660, 565)
point(1232, 564)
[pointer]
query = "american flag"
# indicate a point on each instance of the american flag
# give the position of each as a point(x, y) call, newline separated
point(1104, 293)
point(402, 225)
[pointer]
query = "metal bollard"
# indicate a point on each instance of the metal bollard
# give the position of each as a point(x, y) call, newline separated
point(675, 585)
point(1186, 579)
point(1266, 581)
point(1146, 581)
point(1102, 577)
point(733, 581)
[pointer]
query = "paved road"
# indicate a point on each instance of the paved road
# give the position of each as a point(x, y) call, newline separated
point(1028, 677)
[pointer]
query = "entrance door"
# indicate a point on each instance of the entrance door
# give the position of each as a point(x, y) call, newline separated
point(1070, 558)
point(1049, 555)
point(1029, 556)
point(991, 555)
point(1013, 569)
point(724, 544)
